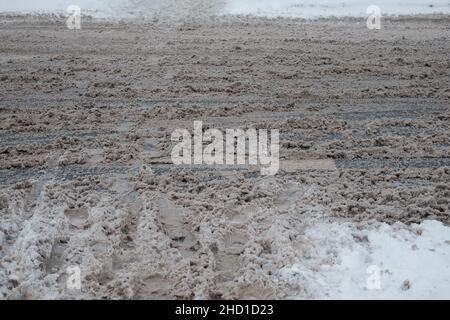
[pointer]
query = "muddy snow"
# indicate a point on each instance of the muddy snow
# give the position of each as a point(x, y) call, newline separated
point(359, 209)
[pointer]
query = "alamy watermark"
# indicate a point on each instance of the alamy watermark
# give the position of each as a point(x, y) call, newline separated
point(374, 280)
point(374, 18)
point(73, 281)
point(73, 21)
point(231, 147)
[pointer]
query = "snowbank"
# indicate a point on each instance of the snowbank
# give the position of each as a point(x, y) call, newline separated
point(324, 8)
point(345, 261)
point(270, 8)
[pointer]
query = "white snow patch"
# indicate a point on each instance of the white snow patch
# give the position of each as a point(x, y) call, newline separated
point(414, 261)
point(269, 8)
point(326, 8)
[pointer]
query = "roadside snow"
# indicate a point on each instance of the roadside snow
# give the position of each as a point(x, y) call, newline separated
point(413, 262)
point(326, 8)
point(269, 8)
